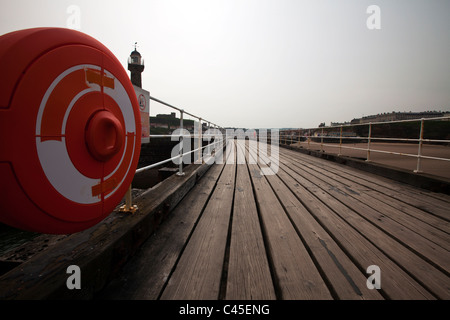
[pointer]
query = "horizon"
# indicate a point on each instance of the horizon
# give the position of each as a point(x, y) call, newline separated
point(269, 63)
point(444, 114)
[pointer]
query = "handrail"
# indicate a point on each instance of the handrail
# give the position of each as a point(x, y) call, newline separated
point(154, 165)
point(369, 138)
point(129, 207)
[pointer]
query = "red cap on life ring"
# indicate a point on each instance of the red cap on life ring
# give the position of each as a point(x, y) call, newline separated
point(70, 130)
point(104, 135)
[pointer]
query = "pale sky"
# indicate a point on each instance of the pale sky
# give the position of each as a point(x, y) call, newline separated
point(269, 63)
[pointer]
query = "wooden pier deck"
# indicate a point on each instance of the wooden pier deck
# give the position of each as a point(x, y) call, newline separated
point(310, 231)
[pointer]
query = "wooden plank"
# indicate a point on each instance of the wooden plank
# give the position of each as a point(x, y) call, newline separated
point(355, 194)
point(100, 251)
point(419, 198)
point(248, 268)
point(405, 195)
point(198, 272)
point(369, 245)
point(146, 274)
point(378, 194)
point(437, 202)
point(296, 274)
point(362, 252)
point(347, 280)
point(438, 255)
point(432, 220)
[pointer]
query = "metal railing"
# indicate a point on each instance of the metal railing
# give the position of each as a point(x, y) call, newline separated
point(128, 206)
point(311, 134)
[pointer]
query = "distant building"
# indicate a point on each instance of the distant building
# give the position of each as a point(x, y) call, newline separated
point(397, 116)
point(336, 124)
point(171, 122)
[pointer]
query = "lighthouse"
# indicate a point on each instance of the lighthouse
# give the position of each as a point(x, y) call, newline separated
point(136, 66)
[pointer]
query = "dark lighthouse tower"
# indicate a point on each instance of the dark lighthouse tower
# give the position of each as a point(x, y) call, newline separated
point(136, 66)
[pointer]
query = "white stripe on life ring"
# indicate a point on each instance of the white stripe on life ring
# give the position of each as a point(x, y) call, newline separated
point(53, 154)
point(62, 174)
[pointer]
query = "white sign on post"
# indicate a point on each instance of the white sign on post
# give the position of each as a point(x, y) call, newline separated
point(143, 98)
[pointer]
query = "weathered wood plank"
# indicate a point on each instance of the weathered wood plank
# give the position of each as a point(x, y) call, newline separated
point(347, 280)
point(427, 201)
point(297, 276)
point(248, 268)
point(357, 196)
point(407, 198)
point(431, 220)
point(396, 283)
point(99, 251)
point(146, 274)
point(359, 241)
point(423, 246)
point(198, 272)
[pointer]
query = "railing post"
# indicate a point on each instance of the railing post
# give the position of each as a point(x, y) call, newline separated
point(309, 138)
point(321, 141)
point(419, 155)
point(340, 142)
point(180, 165)
point(200, 128)
point(368, 142)
point(128, 206)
